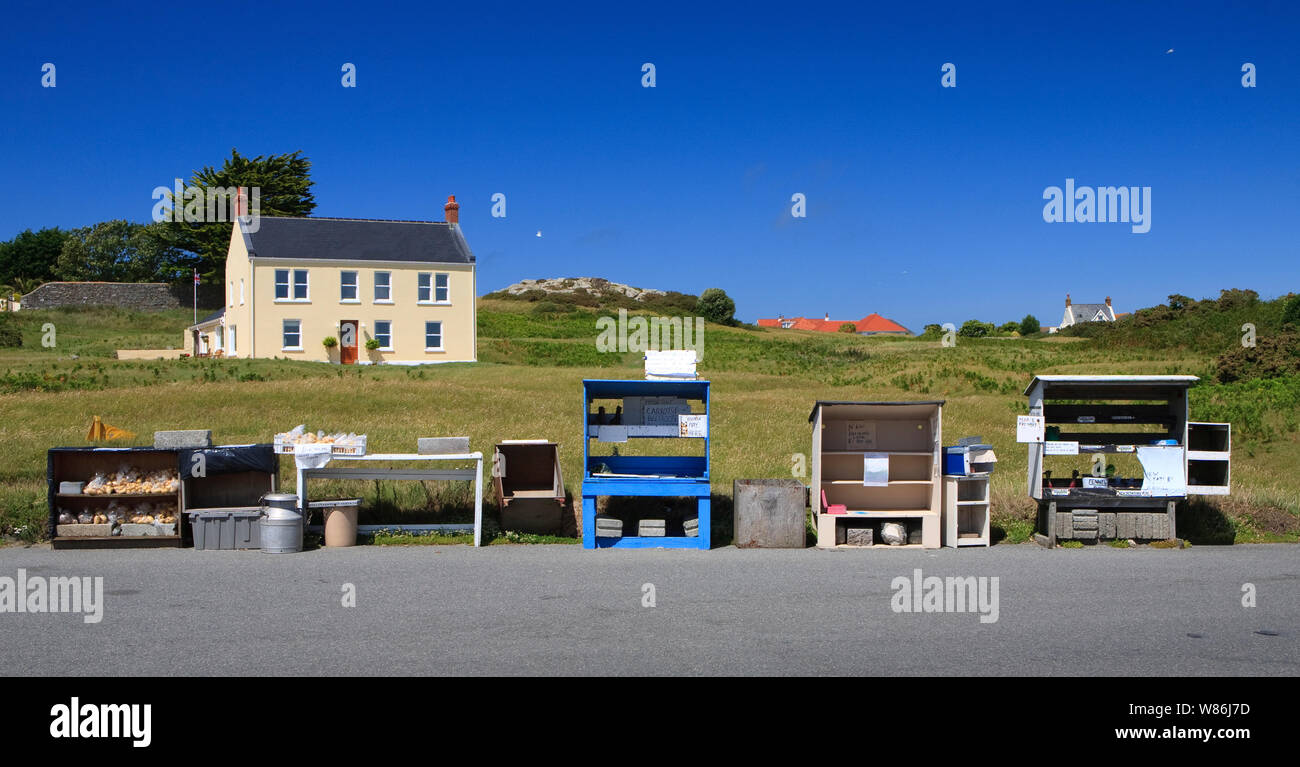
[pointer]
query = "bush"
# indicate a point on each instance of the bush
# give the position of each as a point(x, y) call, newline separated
point(372, 344)
point(1007, 328)
point(716, 306)
point(1029, 325)
point(847, 327)
point(1291, 313)
point(1270, 357)
point(329, 342)
point(932, 332)
point(10, 334)
point(975, 329)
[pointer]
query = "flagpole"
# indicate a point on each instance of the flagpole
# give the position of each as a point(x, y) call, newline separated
point(196, 296)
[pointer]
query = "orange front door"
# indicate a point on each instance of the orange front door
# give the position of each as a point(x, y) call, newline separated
point(348, 342)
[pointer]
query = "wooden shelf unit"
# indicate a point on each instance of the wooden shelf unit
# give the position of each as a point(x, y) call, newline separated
point(80, 464)
point(966, 510)
point(230, 479)
point(908, 435)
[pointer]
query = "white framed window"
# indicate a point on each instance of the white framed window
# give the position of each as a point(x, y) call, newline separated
point(348, 288)
point(442, 288)
point(241, 291)
point(232, 341)
point(291, 285)
point(433, 336)
point(217, 338)
point(384, 334)
point(424, 287)
point(292, 336)
point(230, 295)
point(383, 287)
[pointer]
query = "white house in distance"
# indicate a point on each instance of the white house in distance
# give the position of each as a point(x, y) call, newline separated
point(394, 292)
point(1077, 313)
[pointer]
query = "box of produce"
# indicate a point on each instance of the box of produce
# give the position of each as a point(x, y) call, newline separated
point(341, 443)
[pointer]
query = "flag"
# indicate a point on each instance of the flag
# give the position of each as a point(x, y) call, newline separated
point(196, 276)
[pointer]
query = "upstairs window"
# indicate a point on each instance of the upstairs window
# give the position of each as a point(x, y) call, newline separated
point(348, 286)
point(383, 286)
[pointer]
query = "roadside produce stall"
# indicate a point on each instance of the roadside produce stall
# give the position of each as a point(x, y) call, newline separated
point(1111, 455)
point(102, 497)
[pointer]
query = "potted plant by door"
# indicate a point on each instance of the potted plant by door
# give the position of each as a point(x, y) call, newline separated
point(330, 343)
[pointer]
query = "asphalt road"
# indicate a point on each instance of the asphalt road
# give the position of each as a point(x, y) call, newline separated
point(560, 610)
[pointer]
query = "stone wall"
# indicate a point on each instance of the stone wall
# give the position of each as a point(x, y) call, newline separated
point(142, 296)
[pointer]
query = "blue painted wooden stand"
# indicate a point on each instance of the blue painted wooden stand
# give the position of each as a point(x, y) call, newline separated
point(653, 476)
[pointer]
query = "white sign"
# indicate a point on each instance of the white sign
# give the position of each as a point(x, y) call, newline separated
point(1162, 470)
point(693, 425)
point(860, 435)
point(875, 469)
point(1029, 428)
point(1096, 482)
point(1060, 448)
point(665, 413)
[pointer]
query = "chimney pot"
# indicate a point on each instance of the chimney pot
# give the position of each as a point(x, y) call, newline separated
point(452, 210)
point(1108, 300)
point(828, 317)
point(241, 203)
point(1067, 299)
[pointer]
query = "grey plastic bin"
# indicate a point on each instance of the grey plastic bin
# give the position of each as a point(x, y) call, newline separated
point(226, 529)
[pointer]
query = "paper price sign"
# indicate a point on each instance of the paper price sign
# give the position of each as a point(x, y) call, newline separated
point(1029, 428)
point(693, 425)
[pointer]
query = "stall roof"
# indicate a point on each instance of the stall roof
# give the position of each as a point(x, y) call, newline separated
point(603, 387)
point(824, 402)
point(1065, 385)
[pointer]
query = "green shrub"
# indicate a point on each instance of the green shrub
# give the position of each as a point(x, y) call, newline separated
point(1030, 325)
point(716, 306)
point(1270, 357)
point(1291, 313)
point(10, 334)
point(329, 342)
point(847, 327)
point(975, 329)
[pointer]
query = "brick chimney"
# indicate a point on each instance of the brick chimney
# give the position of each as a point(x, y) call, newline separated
point(452, 210)
point(1108, 300)
point(1067, 299)
point(241, 203)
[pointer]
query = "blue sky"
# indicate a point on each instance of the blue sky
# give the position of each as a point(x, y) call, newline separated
point(923, 203)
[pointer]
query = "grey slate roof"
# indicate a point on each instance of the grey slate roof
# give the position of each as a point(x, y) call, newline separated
point(1086, 312)
point(353, 239)
point(218, 314)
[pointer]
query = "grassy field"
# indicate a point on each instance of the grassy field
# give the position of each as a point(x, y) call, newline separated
point(528, 385)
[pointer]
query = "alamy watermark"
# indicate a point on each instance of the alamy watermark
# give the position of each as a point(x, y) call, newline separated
point(639, 334)
point(1105, 204)
point(56, 594)
point(933, 594)
point(103, 720)
point(207, 205)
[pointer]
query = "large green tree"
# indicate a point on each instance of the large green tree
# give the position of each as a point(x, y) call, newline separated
point(122, 251)
point(284, 184)
point(31, 257)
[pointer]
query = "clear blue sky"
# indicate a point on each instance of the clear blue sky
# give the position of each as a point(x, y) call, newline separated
point(923, 203)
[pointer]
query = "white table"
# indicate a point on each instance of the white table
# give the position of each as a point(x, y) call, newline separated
point(391, 472)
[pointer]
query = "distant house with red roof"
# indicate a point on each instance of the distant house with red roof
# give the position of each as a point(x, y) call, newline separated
point(871, 325)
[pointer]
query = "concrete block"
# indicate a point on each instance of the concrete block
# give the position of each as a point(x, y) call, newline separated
point(1064, 524)
point(657, 528)
point(83, 531)
point(183, 438)
point(1124, 524)
point(1106, 524)
point(1084, 522)
point(609, 532)
point(442, 445)
point(1085, 535)
point(858, 536)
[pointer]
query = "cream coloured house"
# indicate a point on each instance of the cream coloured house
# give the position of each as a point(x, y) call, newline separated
point(394, 292)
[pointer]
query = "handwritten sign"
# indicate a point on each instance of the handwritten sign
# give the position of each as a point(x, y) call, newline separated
point(860, 435)
point(1162, 470)
point(665, 413)
point(1029, 428)
point(1060, 448)
point(693, 425)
